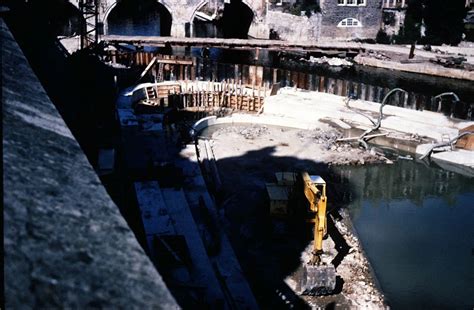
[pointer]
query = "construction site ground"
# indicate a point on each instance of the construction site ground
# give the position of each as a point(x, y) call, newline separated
point(270, 250)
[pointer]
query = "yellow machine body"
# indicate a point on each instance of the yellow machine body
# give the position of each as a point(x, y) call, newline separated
point(314, 188)
point(315, 192)
point(286, 198)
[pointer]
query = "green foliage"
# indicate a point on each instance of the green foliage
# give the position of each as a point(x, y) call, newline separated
point(309, 6)
point(444, 21)
point(389, 18)
point(411, 31)
point(382, 37)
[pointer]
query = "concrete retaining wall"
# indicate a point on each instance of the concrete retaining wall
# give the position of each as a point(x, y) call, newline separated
point(66, 244)
point(423, 68)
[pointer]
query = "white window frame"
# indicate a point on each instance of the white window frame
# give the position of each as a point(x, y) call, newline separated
point(355, 3)
point(345, 23)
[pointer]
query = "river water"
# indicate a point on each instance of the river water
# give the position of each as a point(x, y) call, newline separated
point(416, 224)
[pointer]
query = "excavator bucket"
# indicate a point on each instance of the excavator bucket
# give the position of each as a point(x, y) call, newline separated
point(318, 279)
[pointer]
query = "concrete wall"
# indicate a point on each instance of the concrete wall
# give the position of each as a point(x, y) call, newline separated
point(290, 27)
point(66, 245)
point(369, 15)
point(182, 12)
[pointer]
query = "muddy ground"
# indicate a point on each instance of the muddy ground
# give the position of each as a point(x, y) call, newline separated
point(271, 250)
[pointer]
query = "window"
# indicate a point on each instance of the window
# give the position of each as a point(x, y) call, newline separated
point(352, 2)
point(349, 22)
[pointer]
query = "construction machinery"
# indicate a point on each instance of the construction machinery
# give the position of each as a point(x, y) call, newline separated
point(317, 205)
point(319, 276)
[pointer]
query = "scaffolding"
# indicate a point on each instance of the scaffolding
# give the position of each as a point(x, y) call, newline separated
point(89, 31)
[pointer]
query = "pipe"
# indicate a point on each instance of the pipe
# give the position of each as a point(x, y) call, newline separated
point(450, 142)
point(362, 137)
point(456, 99)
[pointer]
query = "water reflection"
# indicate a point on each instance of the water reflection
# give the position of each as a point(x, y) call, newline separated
point(416, 225)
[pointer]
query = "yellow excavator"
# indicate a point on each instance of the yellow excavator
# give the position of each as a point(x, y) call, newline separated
point(319, 276)
point(317, 204)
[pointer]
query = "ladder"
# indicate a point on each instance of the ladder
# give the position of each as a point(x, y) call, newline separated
point(159, 77)
point(151, 93)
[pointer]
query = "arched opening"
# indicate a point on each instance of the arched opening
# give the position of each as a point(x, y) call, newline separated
point(147, 17)
point(349, 23)
point(236, 20)
point(206, 22)
point(232, 22)
point(62, 17)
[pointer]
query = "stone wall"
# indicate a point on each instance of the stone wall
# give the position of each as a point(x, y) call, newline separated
point(66, 245)
point(294, 28)
point(370, 16)
point(182, 12)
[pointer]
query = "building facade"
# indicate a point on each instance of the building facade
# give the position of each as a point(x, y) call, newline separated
point(350, 19)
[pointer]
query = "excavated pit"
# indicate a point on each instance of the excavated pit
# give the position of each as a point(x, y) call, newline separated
point(271, 251)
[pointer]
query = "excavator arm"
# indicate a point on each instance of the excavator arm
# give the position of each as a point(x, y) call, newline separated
point(317, 201)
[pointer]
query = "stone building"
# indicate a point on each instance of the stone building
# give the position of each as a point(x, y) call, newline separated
point(394, 12)
point(350, 19)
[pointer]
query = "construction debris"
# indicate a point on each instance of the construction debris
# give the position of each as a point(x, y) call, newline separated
point(332, 61)
point(450, 62)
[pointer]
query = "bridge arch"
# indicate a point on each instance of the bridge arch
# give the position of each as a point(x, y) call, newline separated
point(241, 13)
point(251, 4)
point(158, 11)
point(181, 13)
point(237, 12)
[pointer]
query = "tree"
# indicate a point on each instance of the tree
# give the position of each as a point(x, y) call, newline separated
point(413, 21)
point(444, 21)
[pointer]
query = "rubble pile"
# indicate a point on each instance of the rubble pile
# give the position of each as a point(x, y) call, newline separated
point(378, 55)
point(253, 132)
point(360, 290)
point(332, 61)
point(249, 132)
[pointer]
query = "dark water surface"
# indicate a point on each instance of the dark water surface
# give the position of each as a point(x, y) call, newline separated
point(417, 227)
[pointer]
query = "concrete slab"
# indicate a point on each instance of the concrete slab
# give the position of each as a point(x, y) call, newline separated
point(225, 259)
point(202, 270)
point(153, 210)
point(313, 106)
point(458, 160)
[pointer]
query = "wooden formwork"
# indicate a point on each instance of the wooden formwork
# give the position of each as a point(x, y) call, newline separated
point(214, 95)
